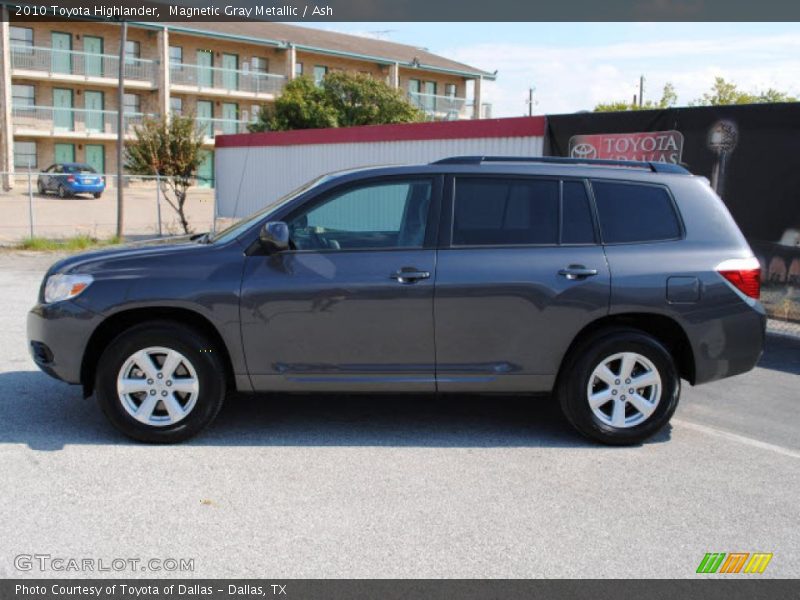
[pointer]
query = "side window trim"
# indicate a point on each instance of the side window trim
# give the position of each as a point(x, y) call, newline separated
point(663, 186)
point(432, 224)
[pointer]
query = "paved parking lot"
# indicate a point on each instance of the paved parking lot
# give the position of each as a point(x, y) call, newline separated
point(398, 487)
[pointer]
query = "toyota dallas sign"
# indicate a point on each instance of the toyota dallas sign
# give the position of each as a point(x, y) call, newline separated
point(651, 146)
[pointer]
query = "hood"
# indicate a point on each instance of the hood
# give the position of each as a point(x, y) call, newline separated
point(93, 259)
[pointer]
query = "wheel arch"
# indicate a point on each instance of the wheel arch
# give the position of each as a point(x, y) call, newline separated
point(663, 328)
point(115, 324)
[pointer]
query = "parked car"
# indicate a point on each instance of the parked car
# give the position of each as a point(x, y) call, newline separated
point(604, 283)
point(68, 179)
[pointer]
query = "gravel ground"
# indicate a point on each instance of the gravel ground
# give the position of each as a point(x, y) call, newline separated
point(337, 486)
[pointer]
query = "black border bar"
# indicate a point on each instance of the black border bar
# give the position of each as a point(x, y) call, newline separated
point(751, 587)
point(425, 10)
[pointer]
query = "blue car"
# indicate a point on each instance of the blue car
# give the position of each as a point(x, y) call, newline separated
point(68, 179)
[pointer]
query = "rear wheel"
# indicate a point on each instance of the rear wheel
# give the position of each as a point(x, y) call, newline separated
point(40, 187)
point(619, 387)
point(160, 382)
point(62, 192)
point(97, 194)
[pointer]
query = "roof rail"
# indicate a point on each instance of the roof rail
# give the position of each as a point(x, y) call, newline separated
point(655, 167)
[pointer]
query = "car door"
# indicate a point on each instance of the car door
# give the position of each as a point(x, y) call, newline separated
point(521, 274)
point(350, 307)
point(53, 179)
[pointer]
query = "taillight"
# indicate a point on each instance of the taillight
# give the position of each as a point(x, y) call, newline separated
point(744, 274)
point(71, 178)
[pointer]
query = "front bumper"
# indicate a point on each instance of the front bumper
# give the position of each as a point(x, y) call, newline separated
point(57, 338)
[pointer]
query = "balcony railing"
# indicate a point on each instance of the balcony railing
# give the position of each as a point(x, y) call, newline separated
point(214, 127)
point(198, 76)
point(53, 61)
point(55, 120)
point(439, 108)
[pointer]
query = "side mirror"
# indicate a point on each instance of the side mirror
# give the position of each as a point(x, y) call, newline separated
point(274, 236)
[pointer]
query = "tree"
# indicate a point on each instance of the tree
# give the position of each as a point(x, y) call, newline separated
point(342, 99)
point(668, 98)
point(171, 148)
point(359, 99)
point(725, 93)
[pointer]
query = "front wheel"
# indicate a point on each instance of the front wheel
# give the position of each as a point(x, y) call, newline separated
point(160, 382)
point(40, 187)
point(620, 387)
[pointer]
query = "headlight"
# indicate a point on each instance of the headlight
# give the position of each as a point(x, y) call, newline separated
point(63, 286)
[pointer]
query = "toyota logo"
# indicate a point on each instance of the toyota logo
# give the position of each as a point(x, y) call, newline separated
point(584, 150)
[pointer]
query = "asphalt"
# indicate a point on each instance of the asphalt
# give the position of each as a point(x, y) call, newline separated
point(346, 486)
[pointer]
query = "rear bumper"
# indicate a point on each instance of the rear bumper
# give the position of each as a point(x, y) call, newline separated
point(729, 345)
point(84, 188)
point(57, 338)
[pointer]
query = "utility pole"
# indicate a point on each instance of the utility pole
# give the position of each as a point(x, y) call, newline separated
point(641, 90)
point(121, 126)
point(530, 101)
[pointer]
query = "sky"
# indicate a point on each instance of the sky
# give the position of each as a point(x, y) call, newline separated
point(574, 66)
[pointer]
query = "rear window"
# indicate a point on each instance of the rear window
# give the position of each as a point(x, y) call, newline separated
point(79, 169)
point(501, 212)
point(635, 213)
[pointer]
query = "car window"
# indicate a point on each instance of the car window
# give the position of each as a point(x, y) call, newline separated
point(79, 169)
point(501, 212)
point(576, 215)
point(379, 215)
point(635, 213)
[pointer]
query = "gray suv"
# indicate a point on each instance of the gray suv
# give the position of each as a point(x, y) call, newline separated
point(604, 283)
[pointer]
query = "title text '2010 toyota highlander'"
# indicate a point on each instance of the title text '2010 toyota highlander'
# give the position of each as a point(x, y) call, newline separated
point(605, 283)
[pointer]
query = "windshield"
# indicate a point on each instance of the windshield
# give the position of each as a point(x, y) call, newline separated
point(240, 226)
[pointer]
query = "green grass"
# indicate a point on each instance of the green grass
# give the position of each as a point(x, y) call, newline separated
point(71, 244)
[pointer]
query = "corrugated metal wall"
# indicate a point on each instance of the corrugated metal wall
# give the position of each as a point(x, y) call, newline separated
point(248, 178)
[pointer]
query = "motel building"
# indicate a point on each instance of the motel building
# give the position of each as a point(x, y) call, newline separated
point(59, 81)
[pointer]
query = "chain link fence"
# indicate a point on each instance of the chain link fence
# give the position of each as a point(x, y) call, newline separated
point(49, 205)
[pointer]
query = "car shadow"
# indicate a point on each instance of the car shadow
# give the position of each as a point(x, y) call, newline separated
point(47, 415)
point(781, 353)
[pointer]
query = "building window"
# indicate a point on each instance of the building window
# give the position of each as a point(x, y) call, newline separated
point(23, 96)
point(260, 65)
point(133, 51)
point(298, 69)
point(450, 90)
point(175, 55)
point(176, 105)
point(132, 103)
point(21, 39)
point(319, 74)
point(25, 154)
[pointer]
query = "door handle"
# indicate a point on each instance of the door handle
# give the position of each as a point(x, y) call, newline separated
point(409, 275)
point(574, 272)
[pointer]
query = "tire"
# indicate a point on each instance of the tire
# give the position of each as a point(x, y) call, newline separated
point(62, 192)
point(644, 412)
point(97, 195)
point(40, 188)
point(196, 359)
